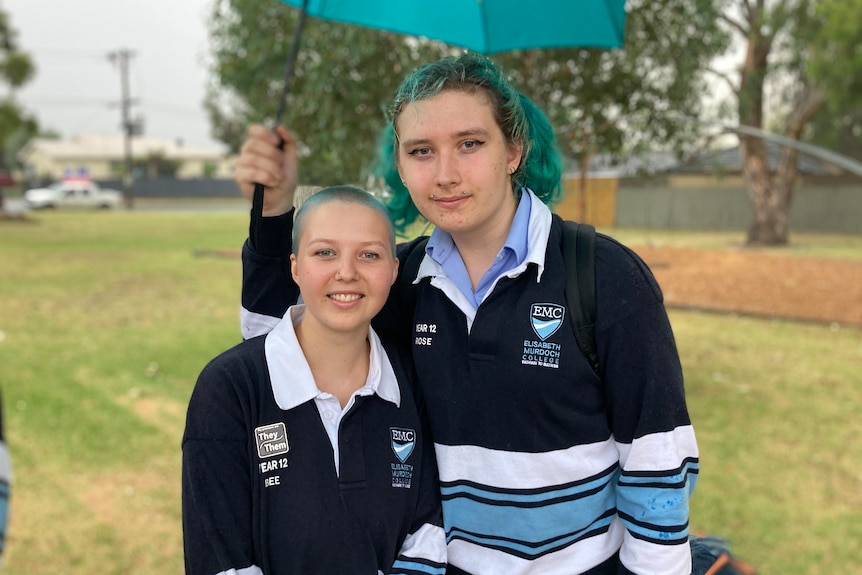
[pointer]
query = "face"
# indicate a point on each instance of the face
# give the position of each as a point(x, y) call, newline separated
point(344, 267)
point(456, 163)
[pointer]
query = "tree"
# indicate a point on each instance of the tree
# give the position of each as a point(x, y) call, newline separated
point(16, 69)
point(625, 102)
point(16, 126)
point(156, 165)
point(344, 76)
point(833, 65)
point(802, 47)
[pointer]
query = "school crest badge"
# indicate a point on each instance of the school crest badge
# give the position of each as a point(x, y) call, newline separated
point(403, 441)
point(546, 319)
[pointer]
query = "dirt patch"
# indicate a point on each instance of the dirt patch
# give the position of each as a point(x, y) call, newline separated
point(755, 283)
point(745, 281)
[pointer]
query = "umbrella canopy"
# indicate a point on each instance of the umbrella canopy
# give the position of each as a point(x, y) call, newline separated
point(486, 26)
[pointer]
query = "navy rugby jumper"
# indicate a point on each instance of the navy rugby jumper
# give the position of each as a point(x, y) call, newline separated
point(260, 490)
point(544, 467)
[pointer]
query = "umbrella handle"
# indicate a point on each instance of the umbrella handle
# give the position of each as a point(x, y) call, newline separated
point(257, 197)
point(256, 214)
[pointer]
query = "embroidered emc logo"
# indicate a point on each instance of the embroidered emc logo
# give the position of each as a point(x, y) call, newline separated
point(271, 440)
point(546, 319)
point(403, 442)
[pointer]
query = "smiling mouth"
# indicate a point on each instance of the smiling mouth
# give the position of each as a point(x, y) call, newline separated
point(345, 297)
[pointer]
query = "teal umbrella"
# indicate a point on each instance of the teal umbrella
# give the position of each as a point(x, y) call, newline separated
point(484, 26)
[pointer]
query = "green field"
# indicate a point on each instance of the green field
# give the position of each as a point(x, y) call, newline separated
point(107, 318)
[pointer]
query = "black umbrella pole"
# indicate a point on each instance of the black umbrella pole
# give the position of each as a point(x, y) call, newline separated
point(291, 61)
point(257, 198)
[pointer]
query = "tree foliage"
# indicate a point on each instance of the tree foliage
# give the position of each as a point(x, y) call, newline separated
point(16, 69)
point(836, 52)
point(832, 64)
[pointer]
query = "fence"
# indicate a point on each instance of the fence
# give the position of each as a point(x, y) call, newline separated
point(186, 189)
point(835, 207)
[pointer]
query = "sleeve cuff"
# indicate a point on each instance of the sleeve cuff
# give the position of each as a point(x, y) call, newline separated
point(271, 236)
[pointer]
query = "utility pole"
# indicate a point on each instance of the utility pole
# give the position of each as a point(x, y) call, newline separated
point(121, 59)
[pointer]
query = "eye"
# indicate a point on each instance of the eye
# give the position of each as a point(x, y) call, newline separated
point(370, 256)
point(472, 144)
point(325, 252)
point(419, 152)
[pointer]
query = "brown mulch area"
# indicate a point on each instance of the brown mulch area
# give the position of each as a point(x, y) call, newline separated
point(751, 282)
point(747, 282)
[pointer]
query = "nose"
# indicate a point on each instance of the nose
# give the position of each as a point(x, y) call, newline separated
point(447, 170)
point(346, 269)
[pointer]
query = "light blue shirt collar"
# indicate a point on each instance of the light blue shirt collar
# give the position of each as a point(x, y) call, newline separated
point(524, 244)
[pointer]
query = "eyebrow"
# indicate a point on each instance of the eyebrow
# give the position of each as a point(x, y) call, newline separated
point(456, 136)
point(366, 243)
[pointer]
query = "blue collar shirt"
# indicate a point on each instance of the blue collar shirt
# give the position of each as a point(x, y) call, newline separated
point(524, 245)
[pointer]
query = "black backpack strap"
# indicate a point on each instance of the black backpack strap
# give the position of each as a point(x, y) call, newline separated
point(408, 294)
point(578, 246)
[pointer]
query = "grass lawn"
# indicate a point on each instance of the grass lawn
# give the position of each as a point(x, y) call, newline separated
point(107, 318)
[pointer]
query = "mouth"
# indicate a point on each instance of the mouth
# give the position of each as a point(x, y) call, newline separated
point(345, 297)
point(451, 201)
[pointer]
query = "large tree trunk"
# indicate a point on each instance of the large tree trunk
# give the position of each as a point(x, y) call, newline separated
point(769, 221)
point(770, 204)
point(771, 197)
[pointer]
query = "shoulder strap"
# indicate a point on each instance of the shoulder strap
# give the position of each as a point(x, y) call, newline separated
point(407, 292)
point(578, 246)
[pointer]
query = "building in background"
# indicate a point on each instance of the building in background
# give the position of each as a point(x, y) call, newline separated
point(102, 156)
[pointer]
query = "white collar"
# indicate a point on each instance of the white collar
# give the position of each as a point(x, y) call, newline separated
point(292, 381)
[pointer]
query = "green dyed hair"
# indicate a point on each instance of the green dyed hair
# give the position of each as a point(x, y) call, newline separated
point(520, 120)
point(343, 194)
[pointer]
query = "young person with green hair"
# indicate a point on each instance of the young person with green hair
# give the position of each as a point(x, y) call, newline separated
point(545, 466)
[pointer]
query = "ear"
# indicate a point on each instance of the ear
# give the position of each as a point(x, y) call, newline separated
point(293, 272)
point(516, 150)
point(394, 272)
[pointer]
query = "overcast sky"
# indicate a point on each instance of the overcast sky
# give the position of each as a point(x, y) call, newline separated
point(76, 89)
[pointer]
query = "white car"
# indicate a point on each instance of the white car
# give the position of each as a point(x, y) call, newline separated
point(73, 193)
